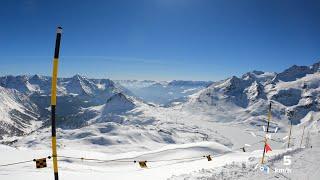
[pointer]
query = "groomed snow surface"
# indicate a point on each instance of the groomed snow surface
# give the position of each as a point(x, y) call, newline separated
point(172, 162)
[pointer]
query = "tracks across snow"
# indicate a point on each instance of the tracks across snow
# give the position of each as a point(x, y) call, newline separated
point(305, 165)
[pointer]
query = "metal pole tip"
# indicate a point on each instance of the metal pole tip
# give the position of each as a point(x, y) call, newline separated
point(59, 29)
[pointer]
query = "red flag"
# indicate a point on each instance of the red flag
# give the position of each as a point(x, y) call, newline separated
point(268, 148)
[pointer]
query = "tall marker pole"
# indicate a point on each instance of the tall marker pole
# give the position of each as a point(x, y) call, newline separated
point(54, 102)
point(290, 133)
point(265, 138)
point(304, 127)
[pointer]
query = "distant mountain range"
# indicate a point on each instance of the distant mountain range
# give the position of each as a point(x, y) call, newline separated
point(163, 92)
point(26, 104)
point(86, 103)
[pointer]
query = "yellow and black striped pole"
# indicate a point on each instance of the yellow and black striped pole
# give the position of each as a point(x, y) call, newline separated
point(54, 102)
point(265, 139)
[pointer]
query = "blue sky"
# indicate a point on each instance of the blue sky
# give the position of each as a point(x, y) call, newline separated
point(158, 39)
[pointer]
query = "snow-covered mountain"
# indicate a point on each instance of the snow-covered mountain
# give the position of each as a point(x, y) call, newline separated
point(296, 72)
point(163, 92)
point(18, 115)
point(293, 93)
point(100, 112)
point(26, 99)
point(88, 105)
point(77, 85)
point(135, 84)
point(98, 118)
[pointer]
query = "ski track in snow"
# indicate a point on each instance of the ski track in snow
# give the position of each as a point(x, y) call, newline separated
point(225, 164)
point(305, 166)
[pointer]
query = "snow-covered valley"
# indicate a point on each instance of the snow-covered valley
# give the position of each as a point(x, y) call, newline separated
point(111, 121)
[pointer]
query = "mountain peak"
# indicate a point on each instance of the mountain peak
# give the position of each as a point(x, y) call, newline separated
point(78, 77)
point(257, 72)
point(37, 78)
point(80, 85)
point(118, 103)
point(254, 72)
point(234, 80)
point(19, 83)
point(316, 67)
point(294, 72)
